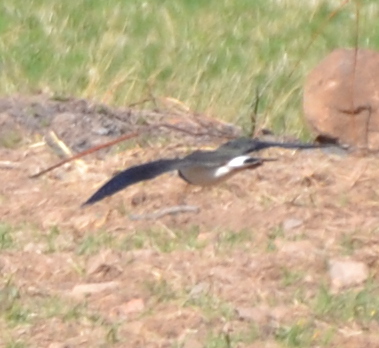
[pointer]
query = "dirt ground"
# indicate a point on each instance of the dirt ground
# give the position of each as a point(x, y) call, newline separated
point(249, 268)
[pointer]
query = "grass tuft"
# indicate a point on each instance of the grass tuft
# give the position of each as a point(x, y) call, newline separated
point(351, 305)
point(6, 240)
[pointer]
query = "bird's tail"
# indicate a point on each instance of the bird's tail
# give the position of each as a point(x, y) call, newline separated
point(261, 145)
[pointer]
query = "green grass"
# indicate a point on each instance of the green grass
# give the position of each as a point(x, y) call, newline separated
point(274, 234)
point(6, 239)
point(296, 335)
point(360, 306)
point(228, 239)
point(163, 239)
point(11, 139)
point(161, 290)
point(350, 242)
point(92, 243)
point(18, 308)
point(218, 340)
point(15, 344)
point(291, 277)
point(51, 238)
point(211, 306)
point(212, 55)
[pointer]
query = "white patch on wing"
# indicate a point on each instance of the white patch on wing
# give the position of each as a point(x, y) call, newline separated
point(235, 163)
point(206, 176)
point(220, 172)
point(238, 162)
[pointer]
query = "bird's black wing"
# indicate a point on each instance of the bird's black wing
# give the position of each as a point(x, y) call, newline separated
point(247, 145)
point(133, 175)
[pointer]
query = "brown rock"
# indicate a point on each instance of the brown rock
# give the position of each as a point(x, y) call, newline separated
point(341, 98)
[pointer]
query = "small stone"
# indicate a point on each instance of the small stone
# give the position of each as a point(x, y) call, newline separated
point(37, 248)
point(199, 289)
point(124, 310)
point(345, 273)
point(296, 249)
point(290, 224)
point(258, 315)
point(101, 131)
point(82, 290)
point(82, 222)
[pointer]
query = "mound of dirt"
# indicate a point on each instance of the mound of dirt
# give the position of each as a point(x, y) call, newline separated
point(81, 124)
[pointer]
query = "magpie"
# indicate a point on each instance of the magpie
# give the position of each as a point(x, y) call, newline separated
point(203, 168)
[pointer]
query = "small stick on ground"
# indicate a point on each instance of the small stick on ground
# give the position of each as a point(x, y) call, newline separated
point(83, 153)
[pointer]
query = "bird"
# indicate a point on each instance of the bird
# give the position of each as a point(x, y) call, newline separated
point(202, 168)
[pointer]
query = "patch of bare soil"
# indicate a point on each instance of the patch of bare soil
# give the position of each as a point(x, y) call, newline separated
point(248, 270)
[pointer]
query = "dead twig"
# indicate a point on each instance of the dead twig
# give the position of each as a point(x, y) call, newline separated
point(84, 153)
